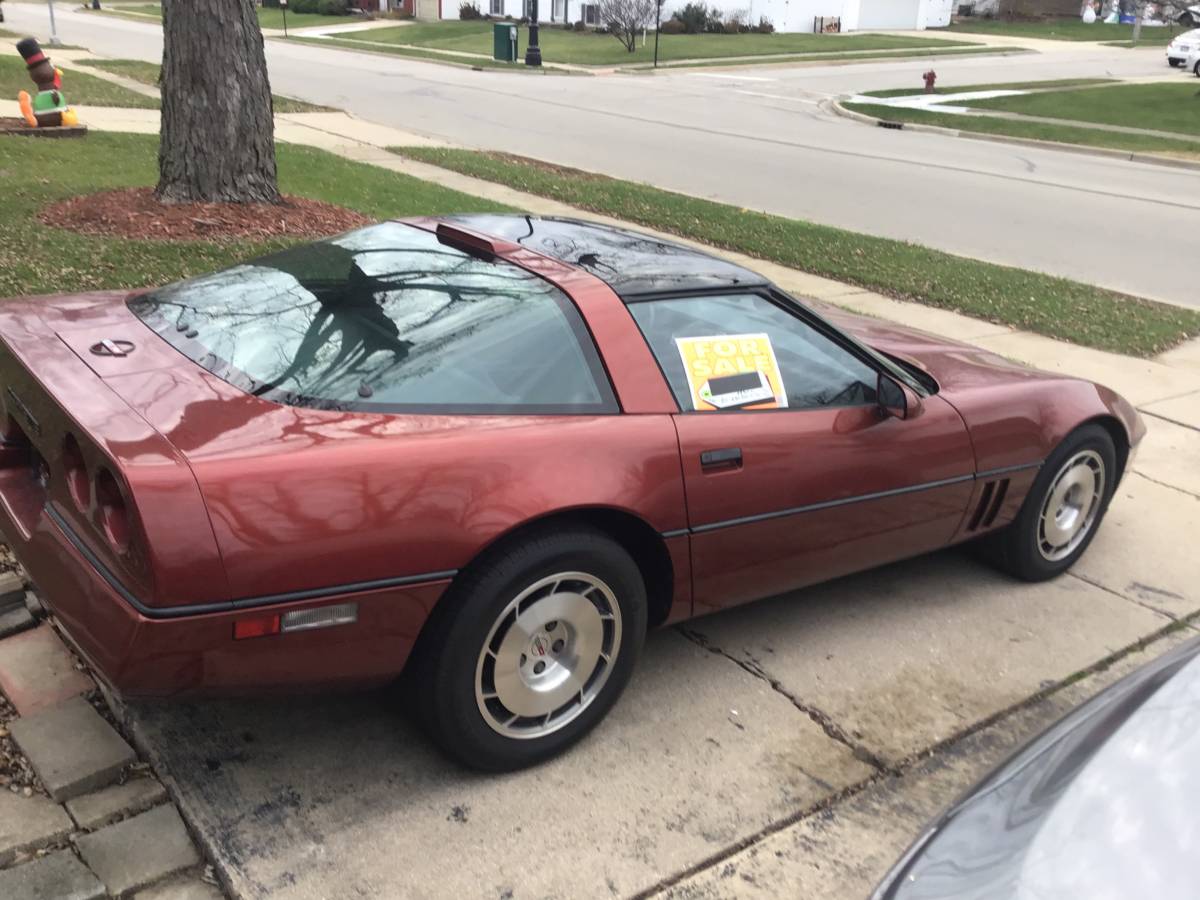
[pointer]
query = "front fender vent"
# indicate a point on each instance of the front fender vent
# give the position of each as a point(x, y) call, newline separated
point(989, 504)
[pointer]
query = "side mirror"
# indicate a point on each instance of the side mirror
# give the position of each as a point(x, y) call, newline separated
point(895, 399)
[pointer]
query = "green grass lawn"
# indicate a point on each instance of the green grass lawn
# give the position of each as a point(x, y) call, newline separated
point(1001, 86)
point(1066, 134)
point(80, 88)
point(1159, 106)
point(38, 259)
point(1056, 307)
point(267, 18)
point(430, 55)
point(977, 50)
point(1070, 29)
point(147, 73)
point(588, 48)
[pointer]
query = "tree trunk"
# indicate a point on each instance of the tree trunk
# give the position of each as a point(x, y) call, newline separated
point(217, 141)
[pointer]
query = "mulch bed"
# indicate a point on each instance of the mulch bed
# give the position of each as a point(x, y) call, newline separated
point(16, 775)
point(134, 213)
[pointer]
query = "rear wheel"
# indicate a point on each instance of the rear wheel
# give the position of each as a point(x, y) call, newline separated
point(535, 645)
point(1063, 509)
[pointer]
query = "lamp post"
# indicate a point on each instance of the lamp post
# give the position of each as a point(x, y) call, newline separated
point(533, 53)
point(657, 28)
point(54, 41)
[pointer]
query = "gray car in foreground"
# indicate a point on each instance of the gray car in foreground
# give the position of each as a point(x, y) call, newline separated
point(1104, 804)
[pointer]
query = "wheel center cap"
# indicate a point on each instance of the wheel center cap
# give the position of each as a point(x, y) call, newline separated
point(539, 647)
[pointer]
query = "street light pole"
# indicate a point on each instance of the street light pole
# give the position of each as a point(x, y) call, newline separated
point(54, 41)
point(533, 53)
point(657, 28)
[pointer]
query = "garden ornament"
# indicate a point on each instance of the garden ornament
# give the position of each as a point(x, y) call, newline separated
point(48, 107)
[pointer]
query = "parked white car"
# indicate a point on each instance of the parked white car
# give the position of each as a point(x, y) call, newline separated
point(1192, 63)
point(1179, 49)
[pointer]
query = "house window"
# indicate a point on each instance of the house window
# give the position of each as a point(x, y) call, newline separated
point(559, 12)
point(591, 14)
point(496, 8)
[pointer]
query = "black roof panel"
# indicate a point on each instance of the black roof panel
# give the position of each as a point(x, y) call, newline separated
point(632, 264)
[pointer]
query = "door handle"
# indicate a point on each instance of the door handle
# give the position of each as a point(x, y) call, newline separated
point(720, 460)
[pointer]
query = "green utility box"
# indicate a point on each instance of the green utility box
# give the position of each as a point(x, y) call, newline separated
point(504, 41)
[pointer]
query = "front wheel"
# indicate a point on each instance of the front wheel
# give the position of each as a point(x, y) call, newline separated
point(1063, 509)
point(536, 644)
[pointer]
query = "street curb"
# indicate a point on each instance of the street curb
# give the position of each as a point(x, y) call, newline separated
point(1126, 155)
point(810, 61)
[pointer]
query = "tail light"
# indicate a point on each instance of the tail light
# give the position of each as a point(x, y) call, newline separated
point(75, 470)
point(112, 517)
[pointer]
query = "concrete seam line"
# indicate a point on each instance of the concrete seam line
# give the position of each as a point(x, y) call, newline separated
point(1144, 605)
point(831, 728)
point(1164, 484)
point(1178, 422)
point(902, 767)
point(1107, 152)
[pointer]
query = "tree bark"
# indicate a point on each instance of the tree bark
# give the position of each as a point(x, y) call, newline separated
point(217, 142)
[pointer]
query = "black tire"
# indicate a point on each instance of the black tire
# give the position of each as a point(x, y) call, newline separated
point(1017, 549)
point(446, 666)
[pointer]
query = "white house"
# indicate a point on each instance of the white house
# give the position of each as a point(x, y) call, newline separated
point(854, 15)
point(785, 15)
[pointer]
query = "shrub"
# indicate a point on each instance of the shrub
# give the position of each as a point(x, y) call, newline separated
point(469, 11)
point(764, 26)
point(321, 7)
point(672, 26)
point(579, 26)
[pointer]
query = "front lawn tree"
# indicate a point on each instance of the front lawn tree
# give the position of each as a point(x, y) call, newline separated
point(624, 19)
point(217, 141)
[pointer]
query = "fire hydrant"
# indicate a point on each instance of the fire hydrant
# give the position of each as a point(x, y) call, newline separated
point(930, 77)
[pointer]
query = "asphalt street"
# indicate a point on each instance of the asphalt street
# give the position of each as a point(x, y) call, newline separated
point(762, 138)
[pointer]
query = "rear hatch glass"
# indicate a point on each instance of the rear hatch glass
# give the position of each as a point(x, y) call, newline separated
point(386, 319)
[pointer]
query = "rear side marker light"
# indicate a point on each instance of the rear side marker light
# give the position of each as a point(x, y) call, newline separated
point(297, 620)
point(258, 627)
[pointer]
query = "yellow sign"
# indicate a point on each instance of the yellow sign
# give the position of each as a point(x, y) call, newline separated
point(732, 371)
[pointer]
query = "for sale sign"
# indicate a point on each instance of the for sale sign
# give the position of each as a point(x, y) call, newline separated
point(732, 371)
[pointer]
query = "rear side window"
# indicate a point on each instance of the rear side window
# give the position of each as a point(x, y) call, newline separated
point(386, 319)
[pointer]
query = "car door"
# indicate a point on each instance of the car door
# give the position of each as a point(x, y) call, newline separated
point(793, 473)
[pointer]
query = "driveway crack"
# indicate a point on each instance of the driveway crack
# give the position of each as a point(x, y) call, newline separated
point(820, 717)
point(1149, 606)
point(1165, 484)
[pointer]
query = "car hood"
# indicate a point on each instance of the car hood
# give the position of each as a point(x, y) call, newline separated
point(1102, 805)
point(956, 366)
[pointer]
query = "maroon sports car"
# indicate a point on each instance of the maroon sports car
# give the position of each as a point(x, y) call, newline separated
point(490, 452)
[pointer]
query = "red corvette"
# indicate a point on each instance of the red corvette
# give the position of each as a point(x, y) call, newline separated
point(492, 451)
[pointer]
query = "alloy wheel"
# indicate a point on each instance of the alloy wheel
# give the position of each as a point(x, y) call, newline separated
point(548, 655)
point(1071, 505)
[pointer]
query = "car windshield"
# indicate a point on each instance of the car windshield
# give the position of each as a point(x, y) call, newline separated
point(386, 318)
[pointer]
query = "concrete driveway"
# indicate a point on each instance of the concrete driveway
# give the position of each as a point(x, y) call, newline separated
point(790, 747)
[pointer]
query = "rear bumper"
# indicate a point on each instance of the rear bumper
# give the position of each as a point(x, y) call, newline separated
point(145, 655)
